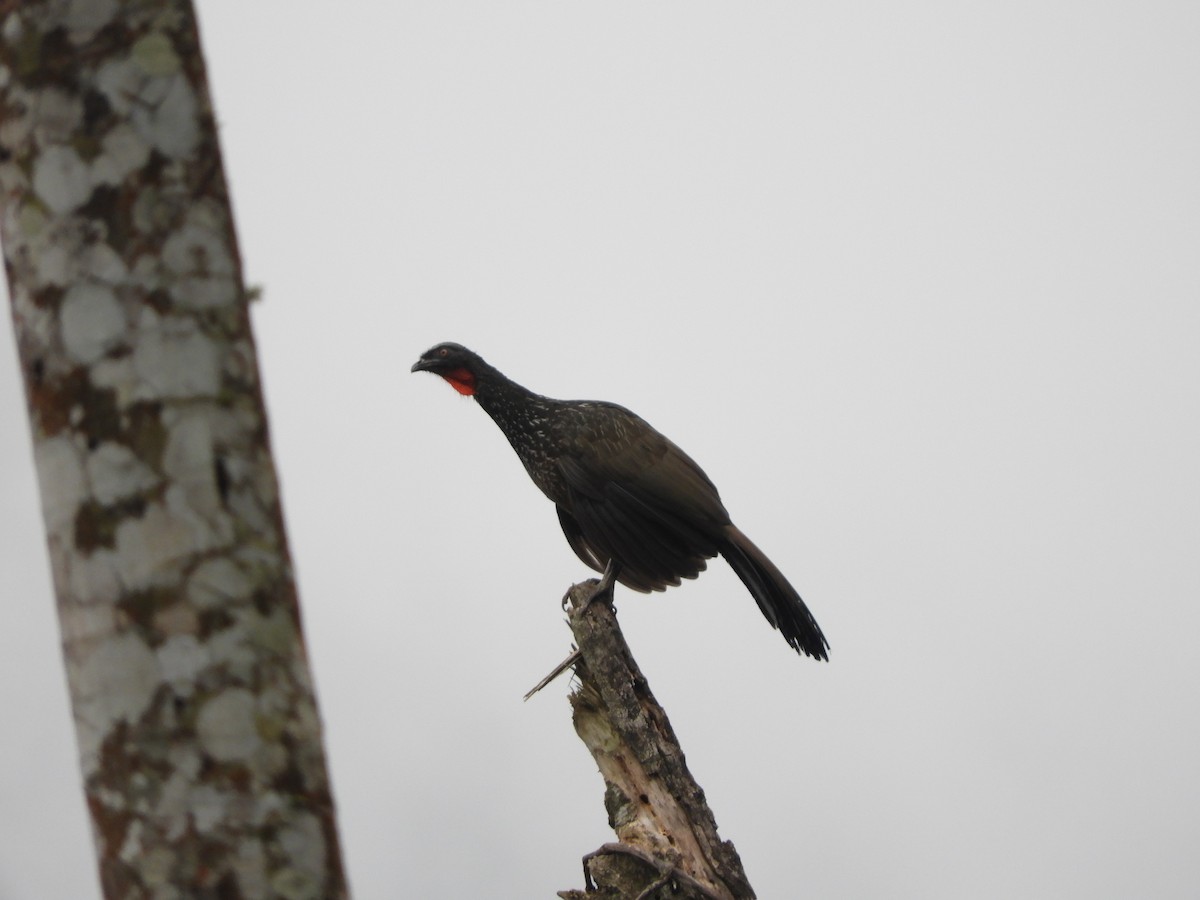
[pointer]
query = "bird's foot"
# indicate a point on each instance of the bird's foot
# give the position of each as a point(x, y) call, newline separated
point(604, 587)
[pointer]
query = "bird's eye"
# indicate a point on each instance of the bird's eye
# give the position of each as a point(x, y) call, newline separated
point(443, 352)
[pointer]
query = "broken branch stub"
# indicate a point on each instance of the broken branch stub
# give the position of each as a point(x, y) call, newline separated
point(667, 834)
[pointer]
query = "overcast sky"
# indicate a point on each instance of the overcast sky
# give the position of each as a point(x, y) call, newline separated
point(917, 284)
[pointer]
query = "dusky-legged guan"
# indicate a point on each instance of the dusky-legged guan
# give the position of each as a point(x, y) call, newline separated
point(625, 493)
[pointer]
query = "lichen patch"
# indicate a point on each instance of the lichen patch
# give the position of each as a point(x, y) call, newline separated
point(61, 179)
point(175, 361)
point(122, 675)
point(114, 473)
point(92, 321)
point(226, 728)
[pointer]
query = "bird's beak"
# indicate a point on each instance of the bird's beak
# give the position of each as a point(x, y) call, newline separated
point(421, 365)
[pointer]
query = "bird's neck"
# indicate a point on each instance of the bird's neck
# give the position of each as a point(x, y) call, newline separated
point(514, 408)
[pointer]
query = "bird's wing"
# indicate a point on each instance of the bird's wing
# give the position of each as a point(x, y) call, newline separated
point(621, 449)
point(636, 497)
point(578, 542)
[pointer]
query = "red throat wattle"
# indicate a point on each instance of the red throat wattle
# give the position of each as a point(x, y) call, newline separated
point(461, 380)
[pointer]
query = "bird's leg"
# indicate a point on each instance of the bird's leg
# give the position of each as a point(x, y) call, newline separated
point(604, 587)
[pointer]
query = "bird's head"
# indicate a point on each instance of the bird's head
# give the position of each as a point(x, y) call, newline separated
point(455, 363)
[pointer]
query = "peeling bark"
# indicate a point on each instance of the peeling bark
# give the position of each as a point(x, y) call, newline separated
point(198, 731)
point(668, 842)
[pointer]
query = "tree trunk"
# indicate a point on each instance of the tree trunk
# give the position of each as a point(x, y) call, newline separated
point(198, 731)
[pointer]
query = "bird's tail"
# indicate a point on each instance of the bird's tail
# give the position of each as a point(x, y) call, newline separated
point(775, 596)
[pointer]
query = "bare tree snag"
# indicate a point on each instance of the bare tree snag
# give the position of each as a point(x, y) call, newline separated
point(668, 842)
point(198, 731)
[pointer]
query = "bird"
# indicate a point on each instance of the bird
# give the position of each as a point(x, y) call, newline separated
point(631, 503)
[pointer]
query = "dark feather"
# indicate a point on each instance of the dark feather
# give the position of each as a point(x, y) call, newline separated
point(776, 597)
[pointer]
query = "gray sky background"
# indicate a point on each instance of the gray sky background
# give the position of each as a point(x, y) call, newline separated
point(917, 284)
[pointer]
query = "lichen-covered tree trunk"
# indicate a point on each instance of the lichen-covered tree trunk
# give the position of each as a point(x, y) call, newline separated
point(197, 725)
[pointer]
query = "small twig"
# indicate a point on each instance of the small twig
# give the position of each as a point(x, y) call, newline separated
point(555, 672)
point(653, 886)
point(602, 589)
point(665, 870)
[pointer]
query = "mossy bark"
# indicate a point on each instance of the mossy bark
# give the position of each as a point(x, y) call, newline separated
point(197, 724)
